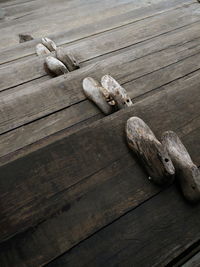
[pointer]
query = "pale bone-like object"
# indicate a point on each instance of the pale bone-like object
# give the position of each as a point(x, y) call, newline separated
point(187, 172)
point(150, 151)
point(93, 91)
point(67, 58)
point(117, 92)
point(55, 66)
point(49, 44)
point(41, 50)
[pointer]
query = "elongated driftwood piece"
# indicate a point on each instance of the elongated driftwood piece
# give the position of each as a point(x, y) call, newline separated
point(67, 58)
point(186, 171)
point(98, 95)
point(152, 153)
point(117, 92)
point(41, 50)
point(55, 66)
point(49, 44)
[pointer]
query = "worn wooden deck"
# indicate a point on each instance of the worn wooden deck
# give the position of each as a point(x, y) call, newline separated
point(71, 192)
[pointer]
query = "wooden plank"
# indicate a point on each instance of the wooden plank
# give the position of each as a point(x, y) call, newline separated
point(19, 107)
point(151, 234)
point(193, 262)
point(44, 25)
point(106, 43)
point(48, 182)
point(66, 118)
point(104, 22)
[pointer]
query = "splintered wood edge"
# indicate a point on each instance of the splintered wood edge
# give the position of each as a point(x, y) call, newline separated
point(117, 92)
point(187, 172)
point(150, 151)
point(93, 91)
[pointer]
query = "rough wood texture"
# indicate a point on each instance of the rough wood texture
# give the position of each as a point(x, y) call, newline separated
point(49, 44)
point(150, 151)
point(49, 207)
point(116, 91)
point(48, 175)
point(55, 66)
point(187, 172)
point(41, 50)
point(93, 91)
point(67, 58)
point(23, 37)
point(150, 235)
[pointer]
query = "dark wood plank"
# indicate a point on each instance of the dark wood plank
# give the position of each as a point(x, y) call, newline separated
point(150, 235)
point(49, 182)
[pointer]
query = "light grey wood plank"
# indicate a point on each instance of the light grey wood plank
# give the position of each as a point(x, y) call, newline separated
point(105, 21)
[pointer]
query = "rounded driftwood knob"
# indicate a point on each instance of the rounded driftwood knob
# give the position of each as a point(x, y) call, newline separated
point(93, 91)
point(150, 151)
point(55, 66)
point(116, 91)
point(187, 172)
point(49, 44)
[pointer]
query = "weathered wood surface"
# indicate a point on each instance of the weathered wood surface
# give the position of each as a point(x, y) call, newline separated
point(48, 205)
point(115, 17)
point(150, 235)
point(187, 172)
point(142, 84)
point(49, 178)
point(152, 154)
point(120, 38)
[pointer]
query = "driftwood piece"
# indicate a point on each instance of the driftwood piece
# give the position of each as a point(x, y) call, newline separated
point(49, 44)
point(67, 58)
point(41, 50)
point(24, 37)
point(187, 172)
point(117, 92)
point(151, 152)
point(55, 66)
point(94, 92)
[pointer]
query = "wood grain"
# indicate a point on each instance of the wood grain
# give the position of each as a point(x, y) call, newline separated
point(42, 181)
point(141, 236)
point(104, 22)
point(102, 44)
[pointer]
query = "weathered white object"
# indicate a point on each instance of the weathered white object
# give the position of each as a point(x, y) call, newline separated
point(41, 50)
point(94, 92)
point(116, 91)
point(67, 58)
point(55, 66)
point(49, 44)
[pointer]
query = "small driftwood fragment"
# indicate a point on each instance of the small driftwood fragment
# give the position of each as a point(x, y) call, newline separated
point(186, 171)
point(23, 37)
point(67, 58)
point(49, 44)
point(55, 66)
point(41, 50)
point(94, 92)
point(150, 151)
point(116, 91)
